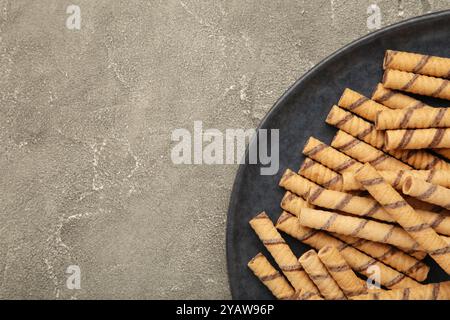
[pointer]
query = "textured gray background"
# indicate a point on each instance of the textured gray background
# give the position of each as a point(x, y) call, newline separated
point(86, 118)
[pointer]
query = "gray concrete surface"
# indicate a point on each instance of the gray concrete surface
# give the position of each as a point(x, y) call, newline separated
point(86, 119)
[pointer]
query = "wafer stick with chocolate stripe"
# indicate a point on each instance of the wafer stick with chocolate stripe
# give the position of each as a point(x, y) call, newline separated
point(428, 192)
point(394, 99)
point(357, 227)
point(280, 251)
point(417, 63)
point(396, 178)
point(328, 288)
point(417, 138)
point(405, 215)
point(320, 174)
point(295, 183)
point(389, 255)
point(422, 118)
point(346, 202)
point(355, 126)
point(360, 105)
point(294, 204)
point(366, 132)
point(270, 277)
point(329, 157)
point(433, 291)
point(341, 272)
point(364, 152)
point(358, 261)
point(422, 205)
point(415, 83)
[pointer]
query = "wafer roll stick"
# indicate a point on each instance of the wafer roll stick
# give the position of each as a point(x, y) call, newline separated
point(427, 192)
point(396, 178)
point(341, 272)
point(394, 99)
point(422, 205)
point(364, 152)
point(366, 132)
point(282, 254)
point(328, 288)
point(360, 105)
point(329, 157)
point(357, 227)
point(295, 183)
point(294, 204)
point(415, 83)
point(355, 126)
point(405, 215)
point(389, 255)
point(417, 63)
point(346, 202)
point(422, 118)
point(358, 261)
point(433, 291)
point(270, 277)
point(320, 174)
point(417, 138)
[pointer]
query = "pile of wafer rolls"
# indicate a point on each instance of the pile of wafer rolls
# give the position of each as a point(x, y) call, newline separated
point(372, 203)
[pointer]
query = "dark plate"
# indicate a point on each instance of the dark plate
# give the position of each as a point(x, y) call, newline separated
point(299, 114)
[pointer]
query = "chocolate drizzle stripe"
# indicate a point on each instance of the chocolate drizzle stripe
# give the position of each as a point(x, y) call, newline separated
point(388, 253)
point(389, 57)
point(433, 163)
point(406, 117)
point(291, 268)
point(409, 83)
point(439, 134)
point(340, 268)
point(357, 103)
point(372, 210)
point(386, 96)
point(398, 179)
point(344, 202)
point(345, 165)
point(416, 266)
point(365, 266)
point(395, 205)
point(316, 150)
point(379, 159)
point(405, 295)
point(444, 250)
point(417, 228)
point(270, 242)
point(329, 222)
point(365, 132)
point(345, 119)
point(361, 226)
point(406, 139)
point(270, 277)
point(418, 105)
point(431, 176)
point(435, 293)
point(438, 220)
point(438, 117)
point(319, 277)
point(332, 181)
point(315, 194)
point(388, 235)
point(349, 144)
point(371, 182)
point(423, 61)
point(308, 235)
point(307, 164)
point(427, 193)
point(394, 281)
point(440, 89)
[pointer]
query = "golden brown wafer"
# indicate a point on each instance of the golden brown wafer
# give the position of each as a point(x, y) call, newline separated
point(417, 63)
point(422, 118)
point(434, 291)
point(366, 132)
point(293, 204)
point(428, 192)
point(405, 215)
point(346, 202)
point(422, 205)
point(341, 272)
point(394, 99)
point(417, 138)
point(360, 105)
point(445, 152)
point(396, 178)
point(321, 175)
point(329, 157)
point(358, 261)
point(389, 255)
point(270, 277)
point(280, 251)
point(295, 183)
point(357, 227)
point(364, 152)
point(415, 83)
point(317, 272)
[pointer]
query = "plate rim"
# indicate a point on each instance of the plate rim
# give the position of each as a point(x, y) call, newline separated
point(353, 44)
